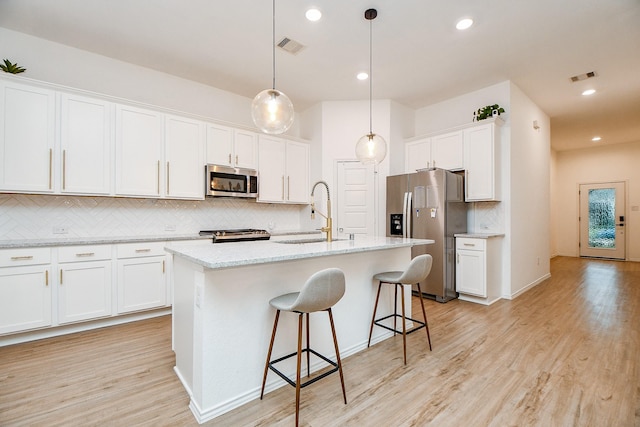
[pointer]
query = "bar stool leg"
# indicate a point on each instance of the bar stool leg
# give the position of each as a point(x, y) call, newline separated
point(335, 344)
point(404, 322)
point(395, 309)
point(298, 368)
point(424, 313)
point(266, 365)
point(308, 346)
point(373, 318)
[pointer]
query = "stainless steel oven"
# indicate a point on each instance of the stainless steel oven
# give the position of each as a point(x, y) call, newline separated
point(226, 181)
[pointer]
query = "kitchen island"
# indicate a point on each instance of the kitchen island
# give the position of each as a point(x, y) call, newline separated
point(222, 319)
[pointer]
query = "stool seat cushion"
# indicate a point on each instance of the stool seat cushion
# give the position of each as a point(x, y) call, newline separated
point(320, 292)
point(418, 270)
point(389, 276)
point(284, 302)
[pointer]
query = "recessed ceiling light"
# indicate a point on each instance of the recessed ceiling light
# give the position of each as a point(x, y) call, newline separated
point(464, 23)
point(362, 76)
point(588, 92)
point(313, 15)
point(596, 138)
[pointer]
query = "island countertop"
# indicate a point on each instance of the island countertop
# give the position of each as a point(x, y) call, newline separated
point(237, 254)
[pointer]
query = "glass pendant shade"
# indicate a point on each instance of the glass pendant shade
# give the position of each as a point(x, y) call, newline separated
point(272, 111)
point(371, 149)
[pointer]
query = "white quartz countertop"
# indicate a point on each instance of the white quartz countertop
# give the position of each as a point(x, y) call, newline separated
point(98, 240)
point(479, 235)
point(237, 254)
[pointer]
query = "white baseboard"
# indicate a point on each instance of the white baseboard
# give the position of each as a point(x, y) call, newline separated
point(528, 287)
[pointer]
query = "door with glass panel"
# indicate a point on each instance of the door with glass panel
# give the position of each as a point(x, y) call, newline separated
point(602, 220)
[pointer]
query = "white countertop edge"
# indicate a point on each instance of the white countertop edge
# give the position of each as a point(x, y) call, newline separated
point(78, 241)
point(238, 254)
point(479, 235)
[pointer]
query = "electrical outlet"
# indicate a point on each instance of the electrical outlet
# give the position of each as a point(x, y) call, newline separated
point(60, 230)
point(198, 296)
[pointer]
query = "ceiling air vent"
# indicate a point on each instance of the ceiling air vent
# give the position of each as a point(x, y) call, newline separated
point(290, 46)
point(584, 76)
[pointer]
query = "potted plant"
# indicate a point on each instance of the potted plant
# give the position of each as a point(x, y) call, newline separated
point(487, 111)
point(8, 67)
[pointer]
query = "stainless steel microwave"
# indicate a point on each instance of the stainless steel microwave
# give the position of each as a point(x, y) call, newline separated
point(226, 181)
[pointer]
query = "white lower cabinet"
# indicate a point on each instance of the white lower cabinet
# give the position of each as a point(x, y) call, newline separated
point(84, 283)
point(25, 289)
point(478, 269)
point(142, 279)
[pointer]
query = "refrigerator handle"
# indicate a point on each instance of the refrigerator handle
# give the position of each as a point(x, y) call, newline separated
point(404, 215)
point(408, 214)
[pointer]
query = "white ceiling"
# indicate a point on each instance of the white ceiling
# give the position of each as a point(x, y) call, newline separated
point(419, 58)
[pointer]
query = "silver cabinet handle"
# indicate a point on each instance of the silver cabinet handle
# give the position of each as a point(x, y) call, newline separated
point(236, 160)
point(158, 176)
point(167, 178)
point(469, 244)
point(282, 187)
point(50, 167)
point(85, 254)
point(288, 187)
point(143, 250)
point(21, 258)
point(64, 169)
point(230, 158)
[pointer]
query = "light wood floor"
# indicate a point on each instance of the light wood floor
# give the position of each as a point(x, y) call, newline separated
point(566, 353)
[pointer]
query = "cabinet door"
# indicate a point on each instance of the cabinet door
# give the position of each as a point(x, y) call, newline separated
point(245, 146)
point(86, 145)
point(471, 272)
point(446, 151)
point(84, 291)
point(142, 284)
point(184, 150)
point(25, 298)
point(297, 176)
point(219, 145)
point(138, 151)
point(272, 169)
point(27, 133)
point(480, 165)
point(417, 155)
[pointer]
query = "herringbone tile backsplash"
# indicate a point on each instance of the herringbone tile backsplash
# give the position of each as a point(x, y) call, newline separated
point(37, 216)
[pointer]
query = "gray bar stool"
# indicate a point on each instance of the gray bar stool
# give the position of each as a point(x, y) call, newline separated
point(418, 270)
point(320, 292)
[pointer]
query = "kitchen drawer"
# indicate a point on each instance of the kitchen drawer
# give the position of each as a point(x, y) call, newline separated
point(137, 250)
point(84, 253)
point(24, 256)
point(471, 244)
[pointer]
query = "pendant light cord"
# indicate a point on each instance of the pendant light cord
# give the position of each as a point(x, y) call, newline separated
point(273, 41)
point(370, 76)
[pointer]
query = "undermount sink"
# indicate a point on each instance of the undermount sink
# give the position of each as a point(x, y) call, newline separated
point(301, 241)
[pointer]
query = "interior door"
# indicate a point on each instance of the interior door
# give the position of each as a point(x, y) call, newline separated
point(355, 207)
point(602, 220)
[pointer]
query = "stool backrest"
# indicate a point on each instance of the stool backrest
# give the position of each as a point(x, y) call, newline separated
point(321, 291)
point(418, 270)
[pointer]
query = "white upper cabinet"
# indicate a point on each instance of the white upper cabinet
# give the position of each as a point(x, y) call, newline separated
point(86, 139)
point(138, 152)
point(27, 136)
point(231, 147)
point(482, 162)
point(417, 155)
point(184, 154)
point(284, 171)
point(446, 151)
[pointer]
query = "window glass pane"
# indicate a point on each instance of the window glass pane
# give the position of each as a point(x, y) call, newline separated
point(602, 227)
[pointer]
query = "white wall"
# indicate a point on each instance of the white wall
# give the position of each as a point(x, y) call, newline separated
point(608, 163)
point(553, 205)
point(529, 202)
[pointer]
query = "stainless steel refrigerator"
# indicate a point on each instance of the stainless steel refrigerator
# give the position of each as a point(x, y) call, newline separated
point(429, 204)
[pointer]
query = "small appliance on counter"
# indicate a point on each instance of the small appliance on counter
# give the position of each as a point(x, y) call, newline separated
point(238, 235)
point(226, 181)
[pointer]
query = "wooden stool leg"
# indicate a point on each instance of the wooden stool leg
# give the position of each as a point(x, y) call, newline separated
point(266, 365)
point(335, 344)
point(308, 346)
point(298, 368)
point(373, 318)
point(404, 323)
point(424, 313)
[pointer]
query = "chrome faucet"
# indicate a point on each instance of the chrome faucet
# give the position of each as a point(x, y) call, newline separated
point(329, 226)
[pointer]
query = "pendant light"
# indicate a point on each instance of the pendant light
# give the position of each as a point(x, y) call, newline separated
point(371, 148)
point(272, 110)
